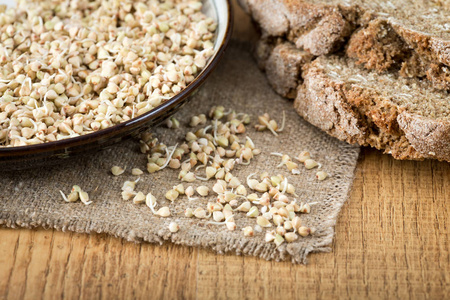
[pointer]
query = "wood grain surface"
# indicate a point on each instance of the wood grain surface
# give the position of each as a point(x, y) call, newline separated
point(392, 241)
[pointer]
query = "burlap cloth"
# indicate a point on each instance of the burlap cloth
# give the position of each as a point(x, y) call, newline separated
point(31, 198)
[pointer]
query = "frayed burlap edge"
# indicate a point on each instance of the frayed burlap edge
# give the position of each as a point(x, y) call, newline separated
point(237, 79)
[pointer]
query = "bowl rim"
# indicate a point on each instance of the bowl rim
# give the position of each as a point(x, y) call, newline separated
point(137, 121)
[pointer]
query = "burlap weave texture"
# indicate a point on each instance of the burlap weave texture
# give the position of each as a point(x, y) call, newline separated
point(31, 198)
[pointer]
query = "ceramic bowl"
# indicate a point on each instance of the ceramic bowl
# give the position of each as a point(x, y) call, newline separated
point(14, 158)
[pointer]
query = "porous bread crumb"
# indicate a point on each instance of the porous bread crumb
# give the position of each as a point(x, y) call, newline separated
point(410, 36)
point(405, 117)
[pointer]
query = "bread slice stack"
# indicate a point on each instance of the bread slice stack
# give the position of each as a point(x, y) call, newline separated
point(372, 72)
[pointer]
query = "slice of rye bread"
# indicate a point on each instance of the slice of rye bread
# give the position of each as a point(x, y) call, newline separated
point(404, 117)
point(410, 35)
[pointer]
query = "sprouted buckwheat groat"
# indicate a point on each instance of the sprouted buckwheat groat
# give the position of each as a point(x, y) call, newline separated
point(212, 147)
point(69, 68)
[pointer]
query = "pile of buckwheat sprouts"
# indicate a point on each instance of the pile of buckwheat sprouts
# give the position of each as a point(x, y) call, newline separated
point(205, 161)
point(69, 68)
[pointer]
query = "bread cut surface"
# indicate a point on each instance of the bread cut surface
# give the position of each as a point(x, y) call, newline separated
point(405, 117)
point(374, 92)
point(314, 26)
point(411, 36)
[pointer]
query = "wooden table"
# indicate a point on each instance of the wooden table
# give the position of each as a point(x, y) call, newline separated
point(392, 241)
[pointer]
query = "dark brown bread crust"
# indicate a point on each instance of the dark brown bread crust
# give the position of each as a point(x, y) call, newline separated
point(263, 49)
point(322, 103)
point(317, 28)
point(354, 112)
point(427, 136)
point(411, 38)
point(356, 115)
point(361, 115)
point(283, 68)
point(282, 62)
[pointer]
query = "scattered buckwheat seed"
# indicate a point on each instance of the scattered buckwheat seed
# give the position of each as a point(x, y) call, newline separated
point(116, 170)
point(163, 212)
point(321, 175)
point(248, 231)
point(174, 227)
point(136, 172)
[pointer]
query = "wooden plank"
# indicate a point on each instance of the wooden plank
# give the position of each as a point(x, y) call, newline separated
point(392, 240)
point(9, 245)
point(57, 277)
